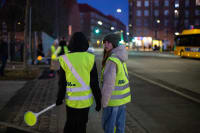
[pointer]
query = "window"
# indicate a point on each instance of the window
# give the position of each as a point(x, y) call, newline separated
point(197, 22)
point(138, 22)
point(186, 23)
point(186, 13)
point(146, 22)
point(156, 3)
point(166, 22)
point(197, 12)
point(166, 3)
point(166, 12)
point(146, 32)
point(156, 13)
point(176, 4)
point(146, 3)
point(139, 13)
point(139, 3)
point(187, 3)
point(146, 12)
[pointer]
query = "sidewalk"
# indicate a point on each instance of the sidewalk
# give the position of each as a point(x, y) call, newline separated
point(19, 97)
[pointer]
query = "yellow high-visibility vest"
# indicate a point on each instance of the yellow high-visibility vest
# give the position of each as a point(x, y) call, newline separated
point(57, 51)
point(53, 49)
point(77, 67)
point(121, 93)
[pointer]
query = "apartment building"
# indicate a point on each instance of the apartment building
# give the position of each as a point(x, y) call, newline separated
point(161, 19)
point(95, 25)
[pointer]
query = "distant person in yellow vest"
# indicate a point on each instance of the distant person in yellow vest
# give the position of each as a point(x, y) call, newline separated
point(60, 50)
point(54, 62)
point(115, 84)
point(78, 83)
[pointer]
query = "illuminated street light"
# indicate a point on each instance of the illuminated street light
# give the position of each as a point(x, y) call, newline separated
point(119, 10)
point(18, 23)
point(112, 28)
point(158, 21)
point(176, 33)
point(99, 22)
point(127, 33)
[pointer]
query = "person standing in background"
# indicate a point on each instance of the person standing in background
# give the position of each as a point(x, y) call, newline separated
point(54, 63)
point(3, 55)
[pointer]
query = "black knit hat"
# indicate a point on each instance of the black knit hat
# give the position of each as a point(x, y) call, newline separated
point(113, 38)
point(78, 42)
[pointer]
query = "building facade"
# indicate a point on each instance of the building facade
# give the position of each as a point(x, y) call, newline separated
point(95, 25)
point(46, 20)
point(50, 16)
point(161, 19)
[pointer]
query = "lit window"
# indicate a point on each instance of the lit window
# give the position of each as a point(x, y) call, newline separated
point(176, 3)
point(138, 13)
point(146, 3)
point(139, 3)
point(146, 12)
point(166, 12)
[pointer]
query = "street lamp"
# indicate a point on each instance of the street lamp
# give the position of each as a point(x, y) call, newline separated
point(157, 22)
point(112, 28)
point(119, 10)
point(100, 23)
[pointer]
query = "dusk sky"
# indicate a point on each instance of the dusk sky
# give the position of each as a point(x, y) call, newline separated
point(110, 7)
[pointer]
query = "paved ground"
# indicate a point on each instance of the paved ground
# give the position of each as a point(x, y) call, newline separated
point(35, 95)
point(18, 97)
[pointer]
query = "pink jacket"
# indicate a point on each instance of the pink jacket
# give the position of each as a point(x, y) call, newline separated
point(109, 74)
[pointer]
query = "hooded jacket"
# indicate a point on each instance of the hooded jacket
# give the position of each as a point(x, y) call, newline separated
point(79, 44)
point(109, 75)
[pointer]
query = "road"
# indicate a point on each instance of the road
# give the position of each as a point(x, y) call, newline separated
point(164, 91)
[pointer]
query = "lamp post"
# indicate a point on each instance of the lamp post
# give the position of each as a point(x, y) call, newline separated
point(156, 28)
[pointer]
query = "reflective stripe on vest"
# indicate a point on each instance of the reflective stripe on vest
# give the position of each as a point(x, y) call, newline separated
point(77, 89)
point(81, 95)
point(121, 93)
point(120, 96)
point(76, 98)
point(117, 88)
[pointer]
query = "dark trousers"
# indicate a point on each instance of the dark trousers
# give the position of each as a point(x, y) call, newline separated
point(76, 120)
point(3, 61)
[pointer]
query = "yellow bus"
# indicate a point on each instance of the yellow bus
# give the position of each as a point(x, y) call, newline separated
point(187, 44)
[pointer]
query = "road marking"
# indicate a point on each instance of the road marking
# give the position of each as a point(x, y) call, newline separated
point(166, 87)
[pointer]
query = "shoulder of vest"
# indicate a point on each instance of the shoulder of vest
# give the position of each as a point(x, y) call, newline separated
point(113, 59)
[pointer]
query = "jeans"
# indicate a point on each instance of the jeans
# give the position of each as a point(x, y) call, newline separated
point(114, 117)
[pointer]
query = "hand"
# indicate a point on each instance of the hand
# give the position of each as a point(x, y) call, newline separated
point(98, 107)
point(58, 102)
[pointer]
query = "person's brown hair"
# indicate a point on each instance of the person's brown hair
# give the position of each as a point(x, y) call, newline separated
point(105, 57)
